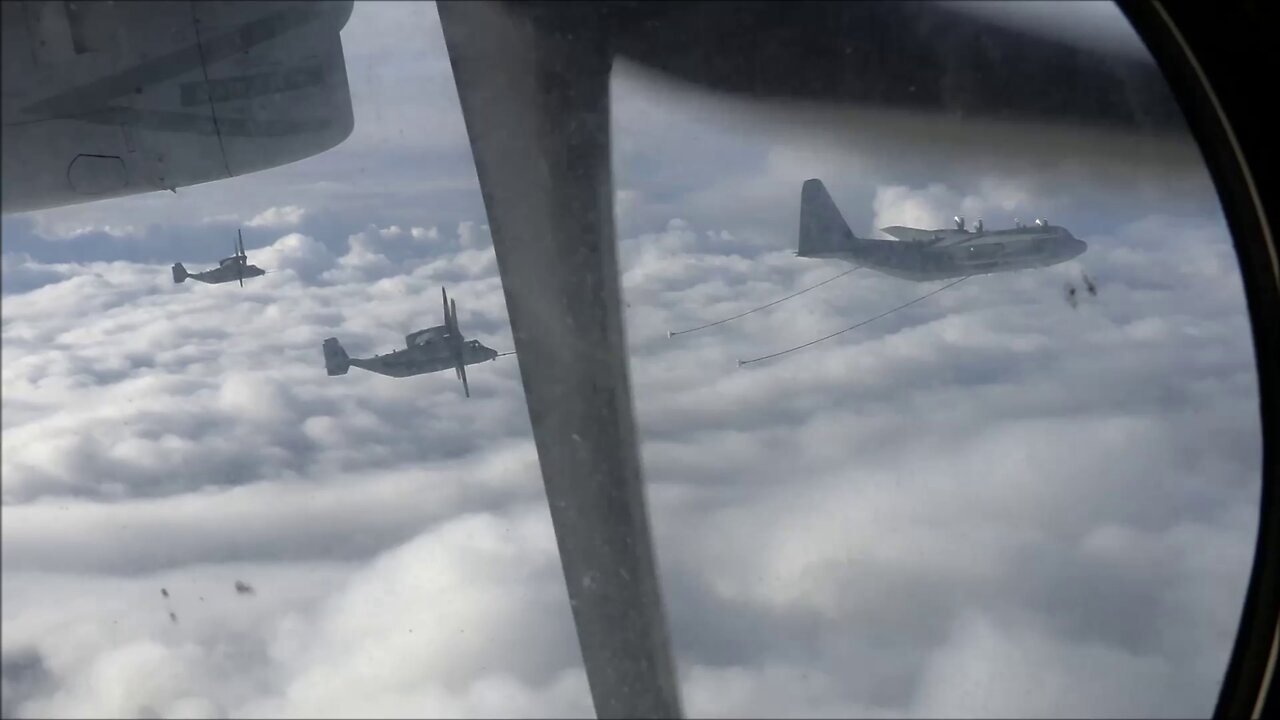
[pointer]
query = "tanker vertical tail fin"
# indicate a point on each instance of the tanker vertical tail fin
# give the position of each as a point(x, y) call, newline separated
point(823, 230)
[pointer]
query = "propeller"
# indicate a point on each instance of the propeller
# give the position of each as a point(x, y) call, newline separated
point(462, 366)
point(240, 254)
point(455, 339)
point(462, 373)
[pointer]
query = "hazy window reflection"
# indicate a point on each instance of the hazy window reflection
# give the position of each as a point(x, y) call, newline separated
point(1032, 493)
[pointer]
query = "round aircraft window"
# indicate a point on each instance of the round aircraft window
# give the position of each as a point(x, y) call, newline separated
point(903, 464)
point(619, 359)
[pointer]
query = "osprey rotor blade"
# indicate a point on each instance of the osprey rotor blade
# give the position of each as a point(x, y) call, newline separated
point(456, 345)
point(239, 235)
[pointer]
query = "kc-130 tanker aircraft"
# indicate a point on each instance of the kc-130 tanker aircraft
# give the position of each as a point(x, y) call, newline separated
point(923, 255)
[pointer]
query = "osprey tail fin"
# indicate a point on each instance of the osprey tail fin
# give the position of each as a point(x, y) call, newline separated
point(336, 360)
point(823, 230)
point(179, 273)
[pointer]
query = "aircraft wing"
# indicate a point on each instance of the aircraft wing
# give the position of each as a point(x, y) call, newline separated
point(908, 234)
point(945, 236)
point(104, 100)
point(958, 237)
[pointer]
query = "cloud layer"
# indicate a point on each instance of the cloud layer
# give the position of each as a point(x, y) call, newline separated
point(986, 504)
point(888, 524)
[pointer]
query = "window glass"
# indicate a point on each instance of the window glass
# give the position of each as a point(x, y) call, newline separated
point(1017, 474)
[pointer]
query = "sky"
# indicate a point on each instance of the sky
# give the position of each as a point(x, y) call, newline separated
point(987, 504)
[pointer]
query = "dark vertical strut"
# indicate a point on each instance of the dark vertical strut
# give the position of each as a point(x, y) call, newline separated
point(536, 104)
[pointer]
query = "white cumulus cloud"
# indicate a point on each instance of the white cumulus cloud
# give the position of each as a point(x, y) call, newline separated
point(988, 503)
point(278, 217)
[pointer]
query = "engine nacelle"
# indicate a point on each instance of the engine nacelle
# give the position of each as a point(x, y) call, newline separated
point(424, 337)
point(1041, 222)
point(959, 222)
point(978, 227)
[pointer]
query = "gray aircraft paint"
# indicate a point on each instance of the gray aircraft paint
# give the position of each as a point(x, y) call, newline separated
point(426, 351)
point(227, 271)
point(250, 86)
point(923, 255)
point(160, 96)
point(422, 359)
point(230, 269)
